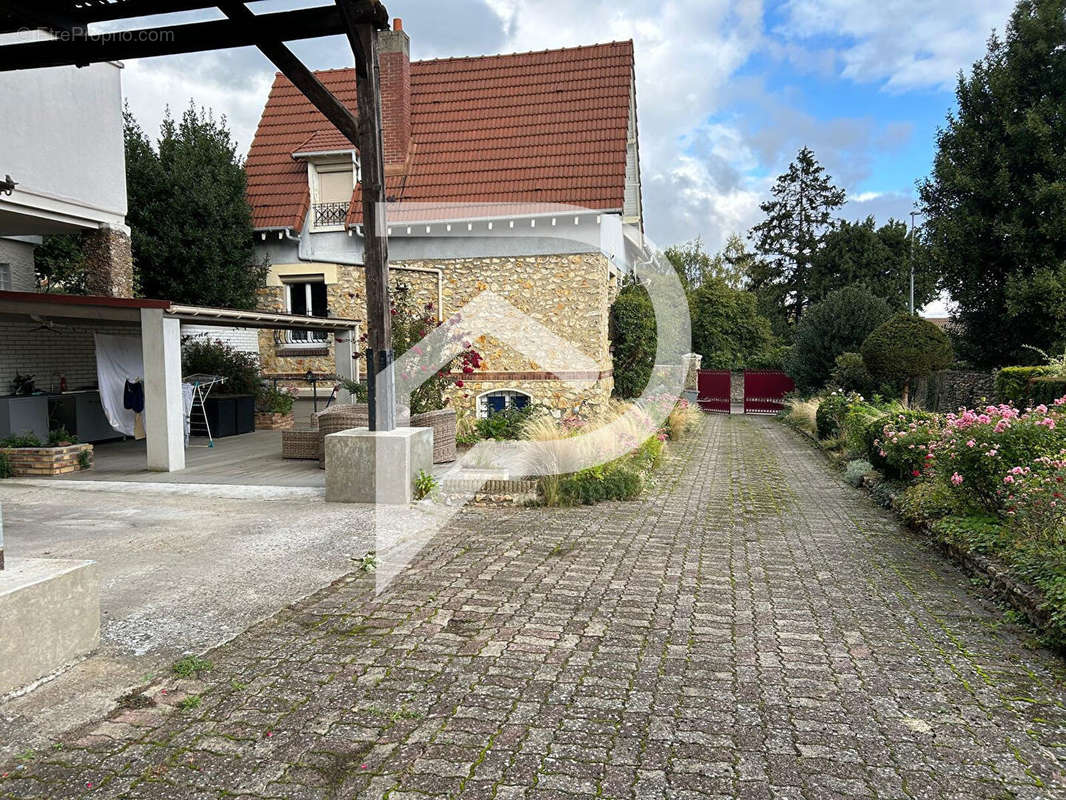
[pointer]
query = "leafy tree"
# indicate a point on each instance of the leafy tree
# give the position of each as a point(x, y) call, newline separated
point(191, 224)
point(878, 258)
point(694, 265)
point(727, 329)
point(996, 198)
point(837, 325)
point(787, 241)
point(59, 264)
point(905, 348)
point(633, 340)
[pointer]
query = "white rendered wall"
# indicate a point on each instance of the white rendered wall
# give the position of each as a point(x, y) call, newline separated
point(61, 140)
point(244, 339)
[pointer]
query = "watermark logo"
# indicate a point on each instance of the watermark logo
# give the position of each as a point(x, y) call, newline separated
point(401, 532)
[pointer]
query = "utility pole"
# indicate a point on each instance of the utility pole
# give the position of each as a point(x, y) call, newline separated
point(913, 215)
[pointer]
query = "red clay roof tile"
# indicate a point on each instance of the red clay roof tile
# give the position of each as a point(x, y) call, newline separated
point(547, 127)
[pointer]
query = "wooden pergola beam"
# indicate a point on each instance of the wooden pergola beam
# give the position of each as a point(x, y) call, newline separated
point(382, 395)
point(302, 78)
point(194, 37)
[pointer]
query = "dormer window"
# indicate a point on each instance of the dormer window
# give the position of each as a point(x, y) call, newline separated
point(332, 185)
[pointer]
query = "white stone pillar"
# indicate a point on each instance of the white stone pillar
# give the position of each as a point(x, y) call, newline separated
point(344, 345)
point(164, 414)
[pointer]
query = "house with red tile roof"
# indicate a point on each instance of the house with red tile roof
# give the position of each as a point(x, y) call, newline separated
point(516, 174)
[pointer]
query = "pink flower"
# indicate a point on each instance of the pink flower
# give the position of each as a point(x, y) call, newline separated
point(993, 452)
point(1009, 479)
point(971, 443)
point(957, 479)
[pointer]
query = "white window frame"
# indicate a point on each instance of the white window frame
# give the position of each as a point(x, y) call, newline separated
point(288, 284)
point(317, 167)
point(482, 402)
point(6, 277)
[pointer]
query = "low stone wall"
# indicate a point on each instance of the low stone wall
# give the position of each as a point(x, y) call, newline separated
point(950, 390)
point(37, 461)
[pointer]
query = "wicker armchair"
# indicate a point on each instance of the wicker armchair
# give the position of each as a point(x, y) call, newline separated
point(345, 417)
point(443, 424)
point(336, 419)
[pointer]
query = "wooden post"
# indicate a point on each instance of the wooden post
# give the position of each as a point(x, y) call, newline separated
point(363, 38)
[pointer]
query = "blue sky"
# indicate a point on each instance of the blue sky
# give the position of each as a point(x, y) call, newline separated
point(728, 90)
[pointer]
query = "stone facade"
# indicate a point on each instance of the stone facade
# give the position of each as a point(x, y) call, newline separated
point(108, 262)
point(569, 294)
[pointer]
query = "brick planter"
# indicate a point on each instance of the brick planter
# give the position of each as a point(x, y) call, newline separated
point(268, 421)
point(36, 461)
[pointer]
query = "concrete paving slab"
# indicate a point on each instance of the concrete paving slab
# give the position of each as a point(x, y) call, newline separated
point(180, 571)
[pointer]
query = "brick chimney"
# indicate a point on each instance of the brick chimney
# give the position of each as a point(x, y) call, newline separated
point(394, 57)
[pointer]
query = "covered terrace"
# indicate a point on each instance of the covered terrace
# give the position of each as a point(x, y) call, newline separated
point(158, 324)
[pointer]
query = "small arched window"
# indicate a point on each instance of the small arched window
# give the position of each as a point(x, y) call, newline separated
point(494, 402)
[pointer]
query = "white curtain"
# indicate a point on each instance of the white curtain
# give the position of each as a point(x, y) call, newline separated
point(118, 359)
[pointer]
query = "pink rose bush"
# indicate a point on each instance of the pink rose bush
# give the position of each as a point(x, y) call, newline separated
point(907, 443)
point(990, 448)
point(1034, 498)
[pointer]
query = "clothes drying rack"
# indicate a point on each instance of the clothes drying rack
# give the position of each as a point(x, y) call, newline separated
point(202, 384)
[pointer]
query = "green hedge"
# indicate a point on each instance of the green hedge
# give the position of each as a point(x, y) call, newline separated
point(1013, 383)
point(1048, 390)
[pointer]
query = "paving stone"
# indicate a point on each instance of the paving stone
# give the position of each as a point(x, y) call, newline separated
point(752, 628)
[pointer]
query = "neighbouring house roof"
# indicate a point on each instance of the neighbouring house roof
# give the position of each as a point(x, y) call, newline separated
point(543, 127)
point(940, 322)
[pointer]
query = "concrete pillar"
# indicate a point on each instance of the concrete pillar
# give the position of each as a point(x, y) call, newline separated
point(108, 262)
point(345, 350)
point(164, 414)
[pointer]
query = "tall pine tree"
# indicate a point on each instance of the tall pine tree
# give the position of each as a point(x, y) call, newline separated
point(797, 219)
point(190, 221)
point(996, 200)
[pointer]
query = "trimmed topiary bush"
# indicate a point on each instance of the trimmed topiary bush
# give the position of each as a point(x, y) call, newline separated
point(906, 348)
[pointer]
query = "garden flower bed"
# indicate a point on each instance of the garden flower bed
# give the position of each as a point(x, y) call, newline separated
point(622, 437)
point(26, 456)
point(988, 484)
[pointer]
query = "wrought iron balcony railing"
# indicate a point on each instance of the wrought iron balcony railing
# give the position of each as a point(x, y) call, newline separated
point(329, 214)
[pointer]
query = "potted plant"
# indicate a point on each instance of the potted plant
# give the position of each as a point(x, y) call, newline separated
point(27, 456)
point(273, 408)
point(429, 402)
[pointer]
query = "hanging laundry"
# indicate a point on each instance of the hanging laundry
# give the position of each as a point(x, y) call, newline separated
point(133, 400)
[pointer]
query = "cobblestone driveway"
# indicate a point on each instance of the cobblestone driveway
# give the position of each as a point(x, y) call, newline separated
point(754, 629)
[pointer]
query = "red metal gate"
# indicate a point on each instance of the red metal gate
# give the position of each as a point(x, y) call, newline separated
point(764, 391)
point(713, 390)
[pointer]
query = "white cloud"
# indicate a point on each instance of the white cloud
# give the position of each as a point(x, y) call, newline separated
point(904, 44)
point(150, 85)
point(713, 135)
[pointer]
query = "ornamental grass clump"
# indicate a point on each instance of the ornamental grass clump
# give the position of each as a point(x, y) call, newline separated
point(621, 437)
point(802, 414)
